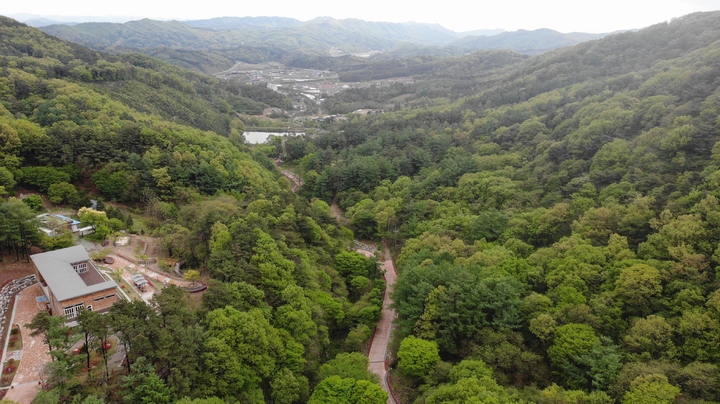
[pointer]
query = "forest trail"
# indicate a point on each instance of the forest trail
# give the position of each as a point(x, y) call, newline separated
point(296, 180)
point(383, 331)
point(337, 212)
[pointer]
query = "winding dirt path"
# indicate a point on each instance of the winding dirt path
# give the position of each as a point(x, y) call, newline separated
point(337, 212)
point(383, 330)
point(296, 180)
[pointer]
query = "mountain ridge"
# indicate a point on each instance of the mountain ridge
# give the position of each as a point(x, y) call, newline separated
point(529, 42)
point(318, 35)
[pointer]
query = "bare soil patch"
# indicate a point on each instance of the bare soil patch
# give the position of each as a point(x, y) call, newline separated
point(140, 248)
point(150, 247)
point(11, 269)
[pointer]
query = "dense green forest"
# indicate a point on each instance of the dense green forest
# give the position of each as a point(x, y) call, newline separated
point(140, 82)
point(165, 145)
point(556, 231)
point(555, 223)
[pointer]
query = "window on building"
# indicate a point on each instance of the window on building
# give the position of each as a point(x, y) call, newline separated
point(97, 299)
point(80, 267)
point(72, 311)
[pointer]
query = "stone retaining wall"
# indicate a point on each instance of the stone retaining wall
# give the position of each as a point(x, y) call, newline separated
point(8, 291)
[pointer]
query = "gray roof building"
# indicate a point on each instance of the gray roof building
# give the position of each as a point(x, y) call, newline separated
point(69, 278)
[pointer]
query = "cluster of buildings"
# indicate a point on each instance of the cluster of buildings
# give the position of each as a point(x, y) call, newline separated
point(53, 223)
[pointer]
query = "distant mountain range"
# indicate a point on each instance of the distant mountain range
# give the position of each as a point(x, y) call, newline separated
point(251, 23)
point(323, 35)
point(213, 45)
point(320, 35)
point(35, 20)
point(527, 42)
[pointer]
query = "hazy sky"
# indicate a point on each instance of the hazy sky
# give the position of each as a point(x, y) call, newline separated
point(458, 15)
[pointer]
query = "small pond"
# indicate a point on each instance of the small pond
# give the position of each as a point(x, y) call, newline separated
point(261, 137)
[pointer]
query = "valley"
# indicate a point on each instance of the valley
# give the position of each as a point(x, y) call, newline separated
point(313, 85)
point(553, 216)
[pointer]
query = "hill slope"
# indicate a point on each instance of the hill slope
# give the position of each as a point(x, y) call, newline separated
point(250, 23)
point(320, 34)
point(69, 105)
point(557, 231)
point(278, 305)
point(215, 44)
point(147, 84)
point(527, 42)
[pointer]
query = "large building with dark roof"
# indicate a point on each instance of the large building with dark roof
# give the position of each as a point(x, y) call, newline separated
point(71, 282)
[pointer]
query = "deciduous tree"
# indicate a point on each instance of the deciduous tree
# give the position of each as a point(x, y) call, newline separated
point(417, 356)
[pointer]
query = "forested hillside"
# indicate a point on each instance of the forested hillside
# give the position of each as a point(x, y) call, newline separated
point(555, 221)
point(215, 45)
point(557, 231)
point(285, 295)
point(435, 80)
point(143, 83)
point(527, 42)
point(318, 35)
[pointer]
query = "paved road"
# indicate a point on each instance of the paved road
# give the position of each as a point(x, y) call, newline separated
point(381, 338)
point(383, 330)
point(34, 354)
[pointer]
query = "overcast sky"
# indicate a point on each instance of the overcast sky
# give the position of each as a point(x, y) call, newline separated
point(458, 15)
